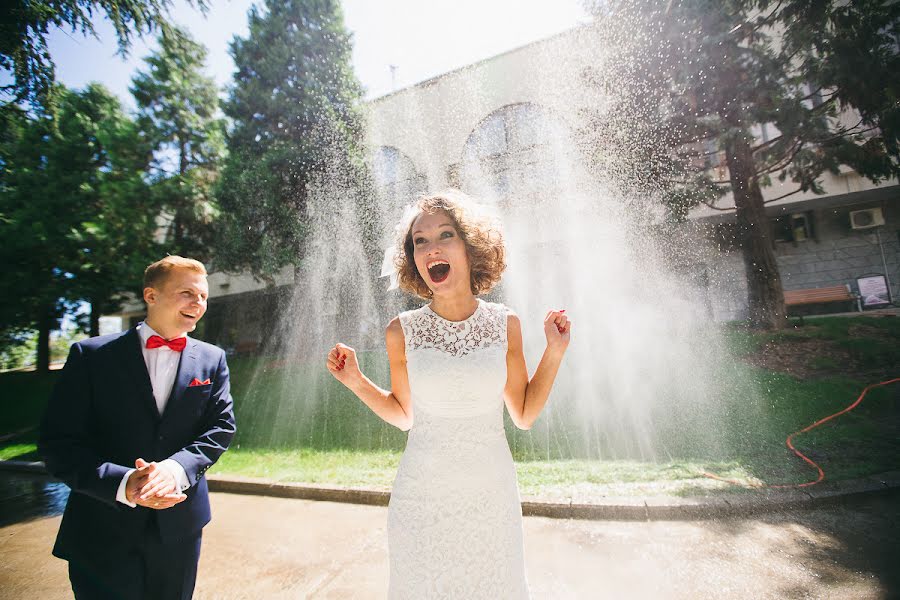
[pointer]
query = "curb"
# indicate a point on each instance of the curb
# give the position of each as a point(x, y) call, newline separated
point(23, 466)
point(650, 508)
point(300, 491)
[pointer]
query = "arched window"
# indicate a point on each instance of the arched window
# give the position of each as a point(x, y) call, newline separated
point(511, 153)
point(396, 177)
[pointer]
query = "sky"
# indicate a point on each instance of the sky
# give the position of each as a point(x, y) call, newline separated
point(422, 38)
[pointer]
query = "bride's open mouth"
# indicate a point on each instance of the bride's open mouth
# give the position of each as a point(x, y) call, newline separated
point(192, 317)
point(438, 270)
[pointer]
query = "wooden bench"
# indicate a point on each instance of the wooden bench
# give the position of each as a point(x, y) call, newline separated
point(823, 295)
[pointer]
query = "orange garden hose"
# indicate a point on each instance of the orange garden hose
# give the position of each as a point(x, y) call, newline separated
point(800, 454)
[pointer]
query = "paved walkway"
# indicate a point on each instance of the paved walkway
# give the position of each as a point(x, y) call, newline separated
point(279, 548)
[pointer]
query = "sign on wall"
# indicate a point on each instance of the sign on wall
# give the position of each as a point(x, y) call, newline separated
point(873, 291)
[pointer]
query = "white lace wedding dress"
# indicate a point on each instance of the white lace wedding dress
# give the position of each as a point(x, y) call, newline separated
point(455, 519)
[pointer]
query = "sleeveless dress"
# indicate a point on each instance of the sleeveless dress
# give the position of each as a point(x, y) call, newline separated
point(455, 517)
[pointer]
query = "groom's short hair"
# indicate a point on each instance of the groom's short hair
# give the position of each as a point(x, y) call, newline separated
point(157, 273)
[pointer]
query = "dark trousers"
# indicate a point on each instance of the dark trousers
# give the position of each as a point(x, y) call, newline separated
point(151, 570)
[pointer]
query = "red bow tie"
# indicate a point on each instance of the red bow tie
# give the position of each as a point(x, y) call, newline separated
point(177, 344)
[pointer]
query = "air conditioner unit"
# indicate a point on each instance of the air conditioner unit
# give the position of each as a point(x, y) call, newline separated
point(845, 169)
point(864, 219)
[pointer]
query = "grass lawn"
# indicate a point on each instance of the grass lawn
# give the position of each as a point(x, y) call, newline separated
point(546, 479)
point(23, 397)
point(800, 375)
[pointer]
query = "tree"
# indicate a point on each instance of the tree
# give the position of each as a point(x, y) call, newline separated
point(77, 225)
point(115, 234)
point(25, 25)
point(19, 351)
point(33, 225)
point(700, 79)
point(295, 111)
point(177, 110)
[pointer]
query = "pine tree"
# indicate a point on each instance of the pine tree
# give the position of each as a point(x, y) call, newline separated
point(23, 37)
point(178, 112)
point(115, 237)
point(295, 110)
point(700, 79)
point(77, 225)
point(28, 251)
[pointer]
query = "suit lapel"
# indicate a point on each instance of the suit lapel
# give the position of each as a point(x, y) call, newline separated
point(137, 368)
point(187, 367)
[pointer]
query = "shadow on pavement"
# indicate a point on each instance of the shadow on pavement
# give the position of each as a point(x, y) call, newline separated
point(859, 535)
point(24, 497)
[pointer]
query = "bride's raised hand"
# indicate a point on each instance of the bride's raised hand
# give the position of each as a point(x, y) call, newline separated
point(557, 328)
point(343, 365)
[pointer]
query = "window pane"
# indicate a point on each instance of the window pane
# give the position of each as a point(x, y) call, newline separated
point(526, 127)
point(386, 160)
point(488, 139)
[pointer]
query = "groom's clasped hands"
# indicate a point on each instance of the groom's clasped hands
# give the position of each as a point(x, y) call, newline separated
point(153, 486)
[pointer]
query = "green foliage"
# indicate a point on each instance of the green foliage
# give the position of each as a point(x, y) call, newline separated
point(177, 112)
point(765, 88)
point(25, 26)
point(112, 235)
point(720, 71)
point(18, 350)
point(295, 108)
point(36, 222)
point(851, 49)
point(61, 341)
point(78, 222)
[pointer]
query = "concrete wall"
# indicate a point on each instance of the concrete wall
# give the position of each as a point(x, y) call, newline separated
point(839, 254)
point(431, 121)
point(835, 255)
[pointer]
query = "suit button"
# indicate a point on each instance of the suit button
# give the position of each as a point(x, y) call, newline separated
point(161, 437)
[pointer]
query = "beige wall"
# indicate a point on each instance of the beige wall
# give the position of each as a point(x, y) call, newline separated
point(431, 121)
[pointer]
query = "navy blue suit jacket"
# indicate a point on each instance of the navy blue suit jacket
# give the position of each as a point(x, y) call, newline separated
point(102, 416)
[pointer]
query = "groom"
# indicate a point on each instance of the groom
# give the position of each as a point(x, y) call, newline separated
point(133, 423)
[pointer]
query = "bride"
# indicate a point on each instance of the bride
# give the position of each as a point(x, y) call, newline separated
point(455, 518)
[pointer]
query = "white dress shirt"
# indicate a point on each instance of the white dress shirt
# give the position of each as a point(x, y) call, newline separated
point(162, 366)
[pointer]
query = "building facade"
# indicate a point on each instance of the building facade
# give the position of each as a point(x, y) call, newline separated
point(499, 128)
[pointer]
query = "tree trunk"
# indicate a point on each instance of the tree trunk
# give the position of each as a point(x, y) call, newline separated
point(178, 232)
point(95, 319)
point(765, 294)
point(178, 225)
point(43, 345)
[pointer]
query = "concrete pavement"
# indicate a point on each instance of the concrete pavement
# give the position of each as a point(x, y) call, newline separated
point(279, 548)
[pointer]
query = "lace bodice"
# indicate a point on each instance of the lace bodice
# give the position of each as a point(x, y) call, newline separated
point(423, 328)
point(456, 368)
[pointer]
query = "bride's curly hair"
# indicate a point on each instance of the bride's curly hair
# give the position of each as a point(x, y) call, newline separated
point(480, 232)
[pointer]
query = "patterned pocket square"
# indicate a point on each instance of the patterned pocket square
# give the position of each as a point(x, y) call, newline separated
point(197, 382)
